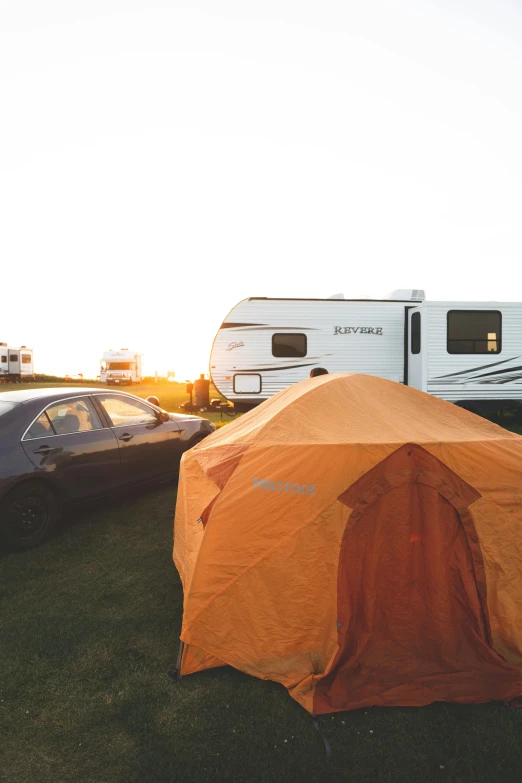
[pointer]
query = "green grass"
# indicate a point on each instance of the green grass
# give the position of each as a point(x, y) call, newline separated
point(89, 626)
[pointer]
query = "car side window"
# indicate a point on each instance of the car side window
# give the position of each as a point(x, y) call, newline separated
point(41, 428)
point(124, 412)
point(70, 416)
point(65, 418)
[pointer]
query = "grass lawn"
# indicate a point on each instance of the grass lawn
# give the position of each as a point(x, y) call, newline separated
point(89, 626)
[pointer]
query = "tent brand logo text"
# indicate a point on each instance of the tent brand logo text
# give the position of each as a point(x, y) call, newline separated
point(284, 486)
point(355, 329)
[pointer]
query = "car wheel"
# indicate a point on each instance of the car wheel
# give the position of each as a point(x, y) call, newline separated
point(28, 515)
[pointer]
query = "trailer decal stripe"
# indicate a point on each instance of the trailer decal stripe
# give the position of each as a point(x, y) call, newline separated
point(258, 327)
point(272, 369)
point(465, 381)
point(482, 367)
point(500, 372)
point(231, 325)
point(502, 380)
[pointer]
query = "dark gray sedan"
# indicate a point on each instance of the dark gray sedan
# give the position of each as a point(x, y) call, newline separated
point(60, 446)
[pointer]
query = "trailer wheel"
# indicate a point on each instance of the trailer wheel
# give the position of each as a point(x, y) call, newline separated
point(28, 515)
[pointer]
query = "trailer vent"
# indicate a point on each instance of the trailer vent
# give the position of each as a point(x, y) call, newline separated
point(408, 294)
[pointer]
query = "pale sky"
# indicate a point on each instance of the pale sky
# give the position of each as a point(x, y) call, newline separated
point(161, 160)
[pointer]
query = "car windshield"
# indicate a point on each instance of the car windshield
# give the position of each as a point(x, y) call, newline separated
point(119, 366)
point(5, 407)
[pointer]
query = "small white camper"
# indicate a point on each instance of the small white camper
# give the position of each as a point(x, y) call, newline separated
point(121, 368)
point(16, 364)
point(467, 352)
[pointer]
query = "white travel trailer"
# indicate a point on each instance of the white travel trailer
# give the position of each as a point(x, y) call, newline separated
point(121, 367)
point(16, 364)
point(467, 352)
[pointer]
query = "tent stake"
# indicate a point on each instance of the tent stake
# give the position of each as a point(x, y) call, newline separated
point(175, 674)
point(315, 721)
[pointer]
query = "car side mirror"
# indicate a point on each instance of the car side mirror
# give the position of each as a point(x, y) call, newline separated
point(164, 416)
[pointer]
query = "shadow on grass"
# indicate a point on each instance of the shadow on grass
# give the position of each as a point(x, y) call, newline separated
point(88, 512)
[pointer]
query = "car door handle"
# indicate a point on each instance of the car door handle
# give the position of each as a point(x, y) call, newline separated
point(126, 436)
point(43, 450)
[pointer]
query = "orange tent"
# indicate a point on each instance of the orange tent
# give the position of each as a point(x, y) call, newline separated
point(359, 542)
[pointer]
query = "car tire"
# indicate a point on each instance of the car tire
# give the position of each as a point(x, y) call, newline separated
point(28, 515)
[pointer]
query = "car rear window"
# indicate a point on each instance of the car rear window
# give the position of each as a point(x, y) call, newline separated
point(65, 418)
point(39, 428)
point(70, 416)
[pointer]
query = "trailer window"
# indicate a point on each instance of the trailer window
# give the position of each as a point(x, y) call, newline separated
point(474, 331)
point(3, 359)
point(289, 345)
point(415, 333)
point(26, 358)
point(13, 357)
point(119, 365)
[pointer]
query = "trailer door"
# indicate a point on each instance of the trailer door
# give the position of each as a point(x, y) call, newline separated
point(416, 347)
point(14, 362)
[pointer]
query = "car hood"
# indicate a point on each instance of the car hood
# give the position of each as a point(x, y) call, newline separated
point(181, 417)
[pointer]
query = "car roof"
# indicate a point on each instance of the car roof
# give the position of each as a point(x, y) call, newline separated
point(52, 393)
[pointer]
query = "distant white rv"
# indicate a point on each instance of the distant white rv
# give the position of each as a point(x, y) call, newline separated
point(16, 364)
point(467, 352)
point(121, 368)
